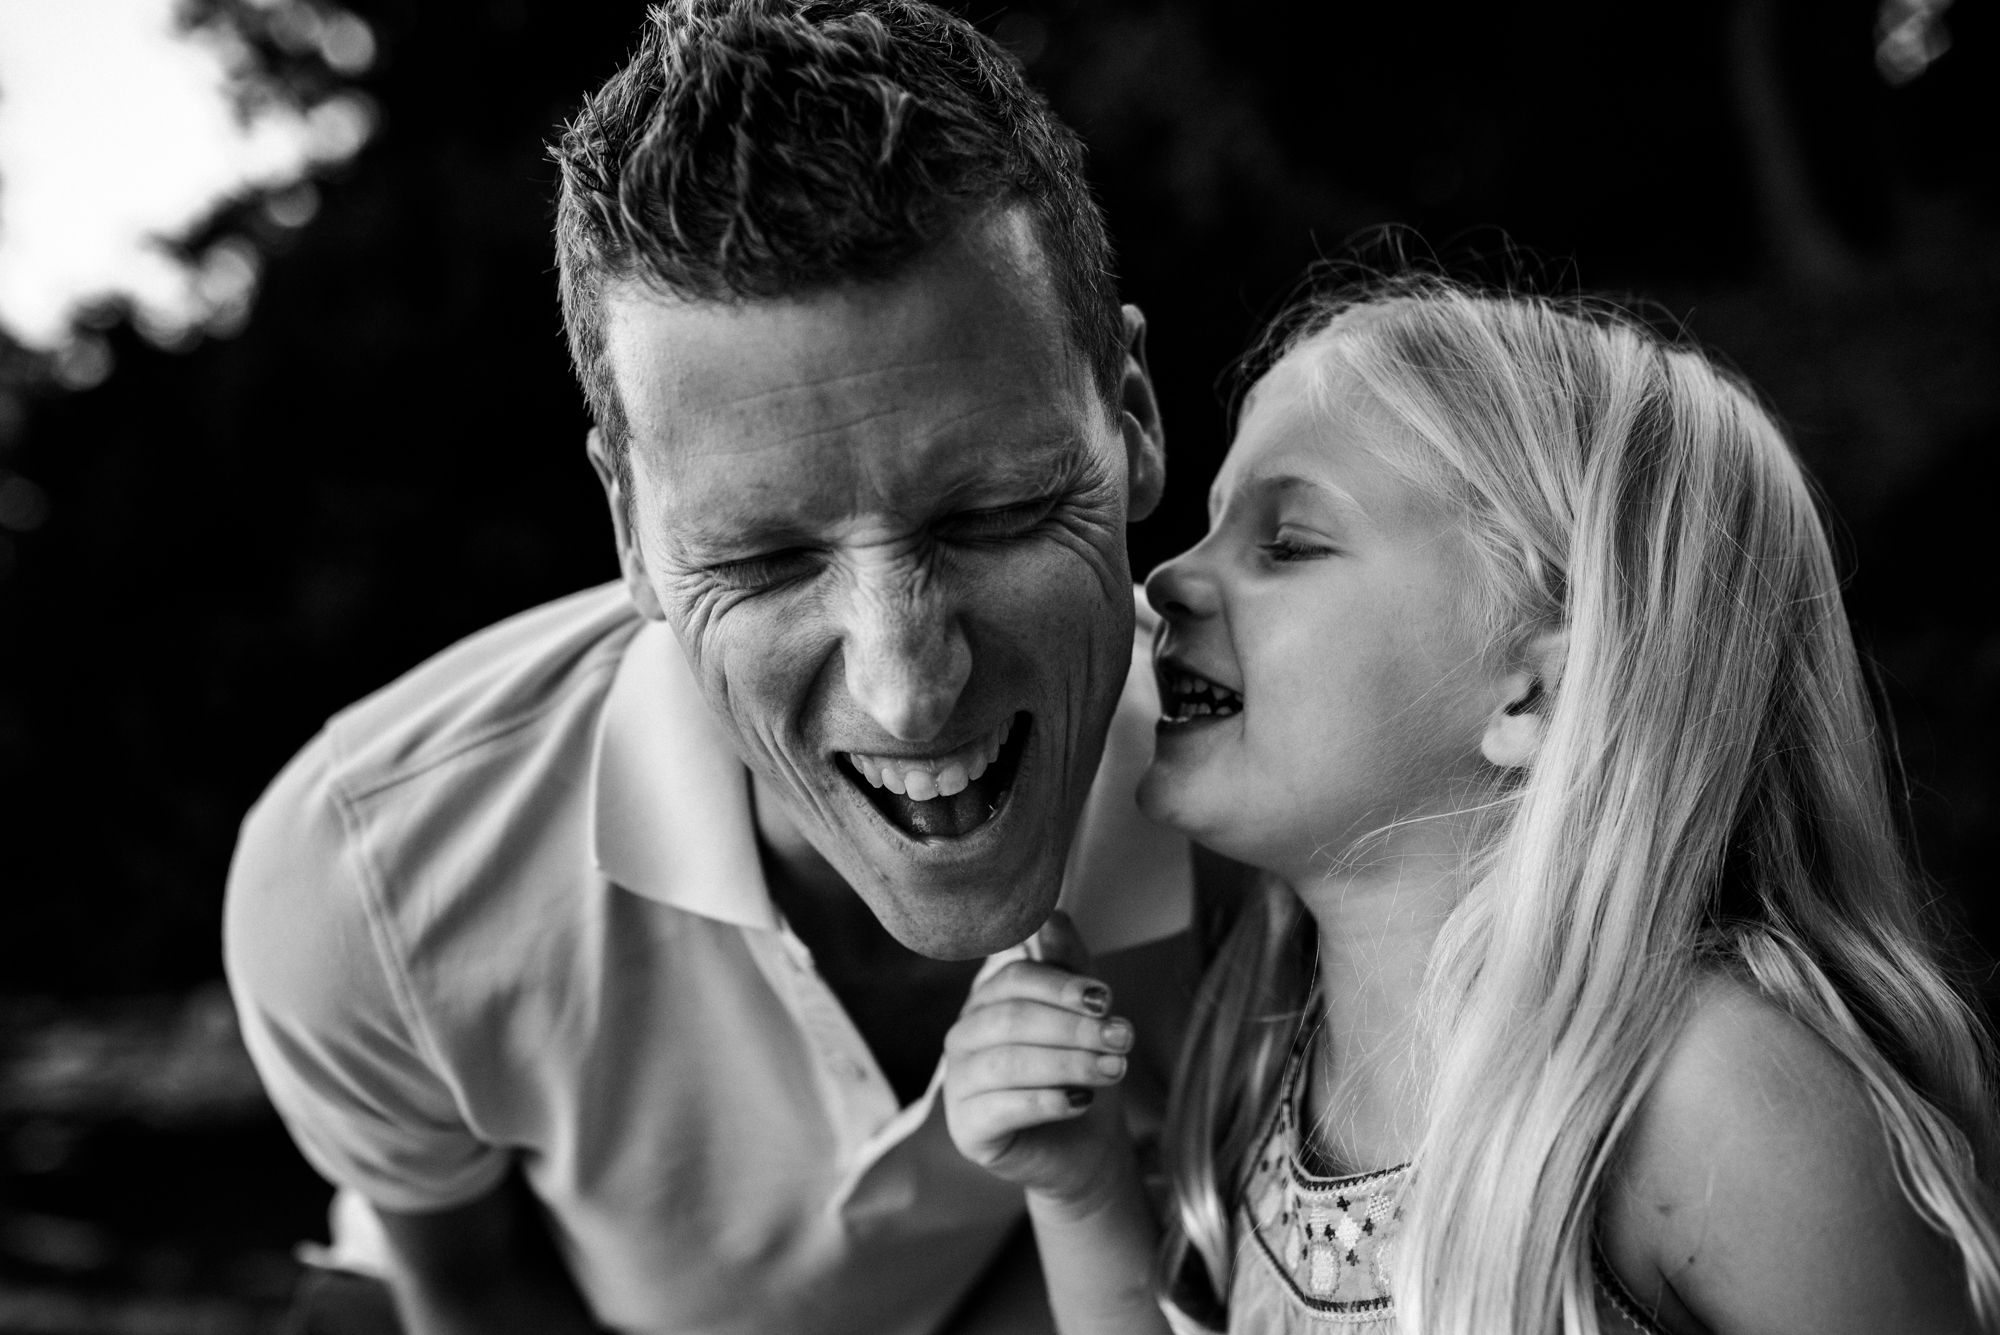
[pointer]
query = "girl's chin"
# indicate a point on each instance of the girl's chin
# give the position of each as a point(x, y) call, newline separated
point(1182, 798)
point(1162, 791)
point(1260, 831)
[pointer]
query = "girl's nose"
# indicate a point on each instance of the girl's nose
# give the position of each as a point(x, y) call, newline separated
point(1180, 589)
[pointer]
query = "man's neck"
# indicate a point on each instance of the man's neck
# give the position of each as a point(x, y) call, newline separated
point(902, 1002)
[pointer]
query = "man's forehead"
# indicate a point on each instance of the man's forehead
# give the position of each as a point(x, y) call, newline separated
point(778, 396)
point(922, 420)
point(978, 312)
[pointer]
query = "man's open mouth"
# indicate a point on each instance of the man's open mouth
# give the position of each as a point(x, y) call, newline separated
point(944, 796)
point(1186, 695)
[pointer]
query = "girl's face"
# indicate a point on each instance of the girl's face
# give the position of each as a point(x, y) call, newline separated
point(1322, 673)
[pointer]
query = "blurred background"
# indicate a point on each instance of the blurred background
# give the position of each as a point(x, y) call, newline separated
point(284, 408)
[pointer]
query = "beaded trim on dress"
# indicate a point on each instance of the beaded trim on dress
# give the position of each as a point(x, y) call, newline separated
point(1327, 1238)
point(1316, 1251)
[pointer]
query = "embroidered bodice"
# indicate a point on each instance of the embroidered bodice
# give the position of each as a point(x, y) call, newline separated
point(1313, 1252)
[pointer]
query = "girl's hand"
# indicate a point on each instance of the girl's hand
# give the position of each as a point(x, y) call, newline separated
point(1031, 1070)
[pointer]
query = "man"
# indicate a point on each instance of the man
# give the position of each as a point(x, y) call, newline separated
point(666, 894)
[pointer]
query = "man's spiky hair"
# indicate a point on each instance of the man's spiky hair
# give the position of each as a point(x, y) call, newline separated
point(754, 149)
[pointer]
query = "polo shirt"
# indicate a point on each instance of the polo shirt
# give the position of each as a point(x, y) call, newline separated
point(510, 909)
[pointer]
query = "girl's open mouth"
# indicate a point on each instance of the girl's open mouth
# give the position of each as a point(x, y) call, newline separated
point(1186, 695)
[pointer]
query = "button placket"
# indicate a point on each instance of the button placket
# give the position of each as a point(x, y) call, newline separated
point(860, 1094)
point(906, 1121)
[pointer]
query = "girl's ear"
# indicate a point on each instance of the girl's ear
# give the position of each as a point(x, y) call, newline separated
point(1514, 731)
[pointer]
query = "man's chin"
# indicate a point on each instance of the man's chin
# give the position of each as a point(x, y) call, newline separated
point(958, 898)
point(963, 922)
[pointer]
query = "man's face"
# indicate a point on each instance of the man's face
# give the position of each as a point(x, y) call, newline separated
point(887, 524)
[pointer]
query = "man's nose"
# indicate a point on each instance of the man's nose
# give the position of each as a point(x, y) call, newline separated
point(906, 657)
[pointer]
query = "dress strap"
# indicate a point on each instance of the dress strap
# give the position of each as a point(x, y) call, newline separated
point(1621, 1298)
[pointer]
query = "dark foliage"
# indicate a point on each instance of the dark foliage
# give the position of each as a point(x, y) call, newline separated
point(243, 538)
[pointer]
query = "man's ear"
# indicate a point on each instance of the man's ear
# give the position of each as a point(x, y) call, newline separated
point(630, 562)
point(1514, 730)
point(1139, 419)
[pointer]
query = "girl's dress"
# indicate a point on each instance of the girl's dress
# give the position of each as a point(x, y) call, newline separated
point(1313, 1251)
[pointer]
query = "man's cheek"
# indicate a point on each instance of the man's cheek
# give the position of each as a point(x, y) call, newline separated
point(1093, 534)
point(1056, 587)
point(759, 683)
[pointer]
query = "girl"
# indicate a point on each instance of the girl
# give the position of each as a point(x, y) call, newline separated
point(1587, 989)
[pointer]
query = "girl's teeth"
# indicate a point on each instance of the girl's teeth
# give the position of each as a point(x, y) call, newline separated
point(921, 785)
point(951, 780)
point(893, 781)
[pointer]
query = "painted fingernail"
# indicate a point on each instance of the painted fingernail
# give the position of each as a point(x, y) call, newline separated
point(1097, 998)
point(1079, 1098)
point(1115, 1034)
point(1111, 1066)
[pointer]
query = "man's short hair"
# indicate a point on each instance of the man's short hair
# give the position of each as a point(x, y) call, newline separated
point(771, 148)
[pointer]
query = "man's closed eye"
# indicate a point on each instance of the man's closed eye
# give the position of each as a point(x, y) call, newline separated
point(768, 570)
point(998, 524)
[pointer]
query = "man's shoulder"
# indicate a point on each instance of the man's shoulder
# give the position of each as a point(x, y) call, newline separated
point(494, 683)
point(440, 819)
point(407, 792)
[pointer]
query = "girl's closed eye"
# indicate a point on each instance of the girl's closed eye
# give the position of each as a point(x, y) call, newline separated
point(1292, 546)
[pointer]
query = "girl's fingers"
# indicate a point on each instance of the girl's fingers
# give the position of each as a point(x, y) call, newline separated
point(1027, 980)
point(980, 1125)
point(1025, 1069)
point(1036, 1024)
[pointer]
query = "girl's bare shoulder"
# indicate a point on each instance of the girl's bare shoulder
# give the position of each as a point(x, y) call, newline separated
point(1756, 1189)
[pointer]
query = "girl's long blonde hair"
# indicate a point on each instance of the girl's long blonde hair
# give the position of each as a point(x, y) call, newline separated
point(1710, 796)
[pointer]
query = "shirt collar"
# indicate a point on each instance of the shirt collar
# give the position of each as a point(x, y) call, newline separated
point(1129, 881)
point(670, 800)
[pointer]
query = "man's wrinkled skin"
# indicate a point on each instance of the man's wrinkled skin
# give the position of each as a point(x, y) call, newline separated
point(884, 518)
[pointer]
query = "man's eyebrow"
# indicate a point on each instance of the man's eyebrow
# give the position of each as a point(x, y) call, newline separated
point(1038, 469)
point(701, 543)
point(1041, 466)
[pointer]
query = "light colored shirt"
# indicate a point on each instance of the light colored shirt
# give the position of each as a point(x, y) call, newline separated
point(511, 909)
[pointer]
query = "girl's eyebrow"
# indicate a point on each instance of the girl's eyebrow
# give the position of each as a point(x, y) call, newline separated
point(1340, 496)
point(1281, 483)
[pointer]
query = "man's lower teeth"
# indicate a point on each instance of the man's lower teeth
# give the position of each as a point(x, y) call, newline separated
point(942, 817)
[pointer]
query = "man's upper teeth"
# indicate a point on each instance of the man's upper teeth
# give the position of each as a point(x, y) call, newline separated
point(923, 778)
